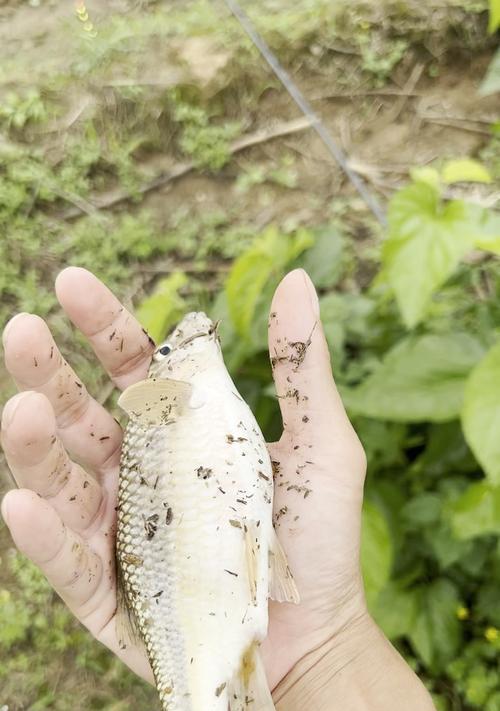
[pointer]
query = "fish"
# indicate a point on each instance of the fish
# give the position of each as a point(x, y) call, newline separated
point(197, 555)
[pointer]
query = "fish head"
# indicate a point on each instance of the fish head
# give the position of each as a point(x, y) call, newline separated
point(191, 348)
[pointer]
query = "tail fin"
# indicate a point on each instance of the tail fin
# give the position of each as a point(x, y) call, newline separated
point(249, 690)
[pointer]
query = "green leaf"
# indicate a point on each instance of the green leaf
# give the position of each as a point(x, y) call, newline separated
point(395, 610)
point(333, 316)
point(488, 232)
point(427, 239)
point(481, 413)
point(487, 603)
point(436, 631)
point(494, 22)
point(419, 379)
point(476, 512)
point(491, 82)
point(446, 548)
point(164, 307)
point(422, 510)
point(465, 170)
point(425, 174)
point(323, 262)
point(265, 262)
point(376, 551)
point(236, 351)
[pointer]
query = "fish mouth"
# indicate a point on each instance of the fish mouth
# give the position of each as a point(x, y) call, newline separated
point(212, 331)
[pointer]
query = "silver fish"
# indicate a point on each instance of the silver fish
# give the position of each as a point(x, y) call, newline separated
point(197, 554)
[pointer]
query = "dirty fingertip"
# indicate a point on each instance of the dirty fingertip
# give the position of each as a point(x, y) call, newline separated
point(296, 290)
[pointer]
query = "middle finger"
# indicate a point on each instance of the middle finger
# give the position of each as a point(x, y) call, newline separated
point(38, 461)
point(87, 430)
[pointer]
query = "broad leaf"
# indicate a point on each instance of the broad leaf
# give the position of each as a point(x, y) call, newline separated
point(487, 234)
point(494, 22)
point(265, 262)
point(491, 82)
point(426, 174)
point(323, 262)
point(164, 307)
point(476, 512)
point(376, 551)
point(422, 510)
point(481, 413)
point(446, 547)
point(427, 239)
point(465, 170)
point(235, 349)
point(419, 379)
point(487, 603)
point(436, 631)
point(395, 610)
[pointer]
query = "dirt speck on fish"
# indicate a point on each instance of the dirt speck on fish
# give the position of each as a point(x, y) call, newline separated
point(196, 530)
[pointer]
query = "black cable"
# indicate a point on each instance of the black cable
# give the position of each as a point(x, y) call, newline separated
point(306, 108)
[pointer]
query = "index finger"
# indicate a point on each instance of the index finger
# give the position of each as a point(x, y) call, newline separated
point(119, 341)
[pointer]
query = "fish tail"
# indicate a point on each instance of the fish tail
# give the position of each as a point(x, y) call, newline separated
point(249, 690)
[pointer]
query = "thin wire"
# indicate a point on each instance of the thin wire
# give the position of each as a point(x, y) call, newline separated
point(306, 108)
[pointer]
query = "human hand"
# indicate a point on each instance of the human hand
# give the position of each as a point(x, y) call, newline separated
point(63, 515)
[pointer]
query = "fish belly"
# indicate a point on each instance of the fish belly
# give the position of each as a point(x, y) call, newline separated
point(189, 494)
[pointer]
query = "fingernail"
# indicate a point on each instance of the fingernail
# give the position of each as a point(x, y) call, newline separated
point(11, 407)
point(313, 295)
point(10, 324)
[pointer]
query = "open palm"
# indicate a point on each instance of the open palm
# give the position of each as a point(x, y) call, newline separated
point(63, 449)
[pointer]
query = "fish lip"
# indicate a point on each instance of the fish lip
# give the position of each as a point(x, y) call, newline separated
point(192, 338)
point(212, 331)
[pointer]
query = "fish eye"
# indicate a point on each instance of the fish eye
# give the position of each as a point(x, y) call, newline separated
point(165, 350)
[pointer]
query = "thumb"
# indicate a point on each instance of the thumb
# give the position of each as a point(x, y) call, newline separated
point(311, 407)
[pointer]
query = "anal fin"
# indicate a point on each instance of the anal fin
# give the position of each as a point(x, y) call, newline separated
point(282, 587)
point(249, 690)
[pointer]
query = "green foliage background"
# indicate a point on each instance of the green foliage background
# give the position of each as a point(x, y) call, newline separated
point(411, 313)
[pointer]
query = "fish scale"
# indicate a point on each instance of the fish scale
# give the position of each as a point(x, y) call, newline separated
point(195, 528)
point(134, 497)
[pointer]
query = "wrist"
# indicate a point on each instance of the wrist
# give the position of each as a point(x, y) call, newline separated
point(356, 670)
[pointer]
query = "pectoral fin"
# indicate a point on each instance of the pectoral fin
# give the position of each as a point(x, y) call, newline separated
point(282, 587)
point(156, 401)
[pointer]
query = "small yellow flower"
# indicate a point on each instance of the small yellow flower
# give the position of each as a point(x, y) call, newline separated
point(492, 634)
point(463, 613)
